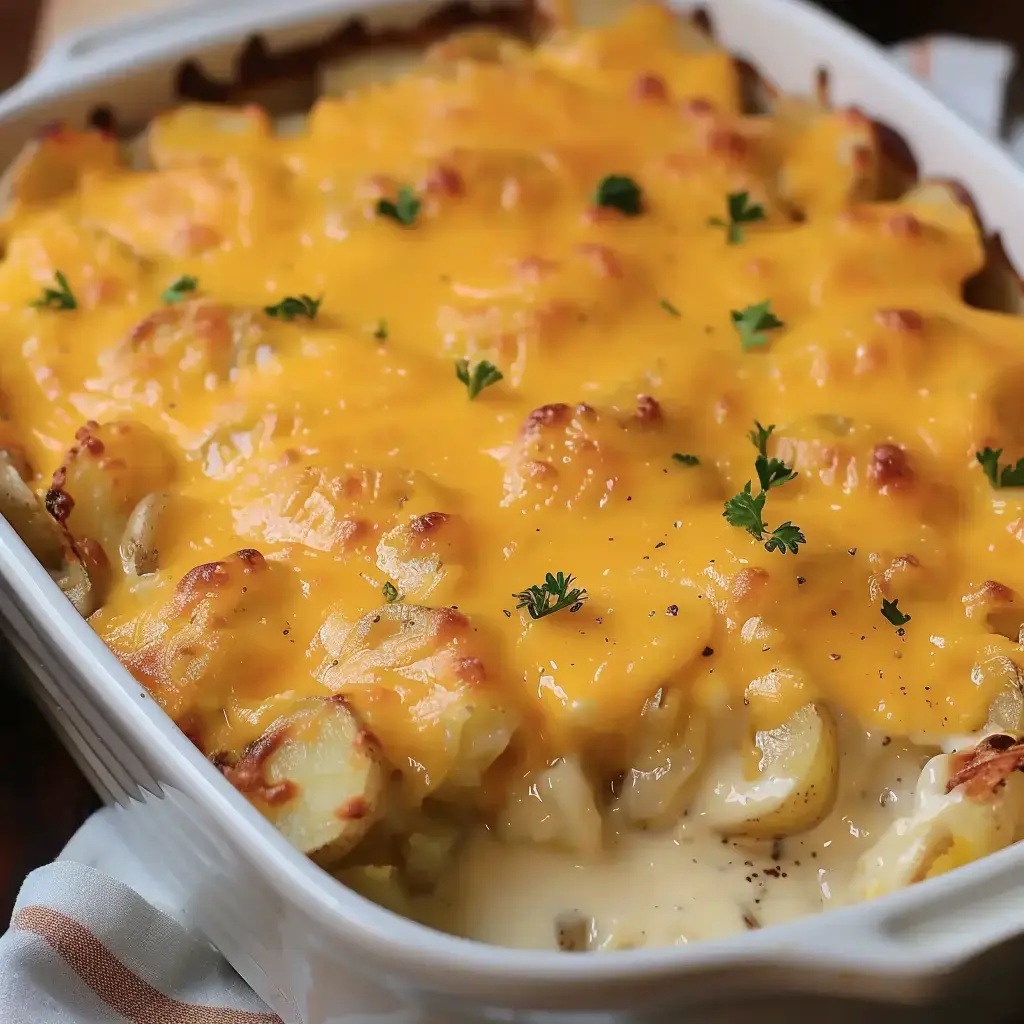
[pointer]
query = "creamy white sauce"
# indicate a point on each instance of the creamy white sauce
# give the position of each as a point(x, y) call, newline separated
point(682, 884)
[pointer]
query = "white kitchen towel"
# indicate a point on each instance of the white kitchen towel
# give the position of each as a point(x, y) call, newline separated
point(88, 945)
point(95, 939)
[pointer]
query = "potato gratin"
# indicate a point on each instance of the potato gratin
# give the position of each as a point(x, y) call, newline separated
point(575, 504)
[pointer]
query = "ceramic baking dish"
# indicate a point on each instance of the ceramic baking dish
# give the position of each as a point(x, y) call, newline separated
point(318, 953)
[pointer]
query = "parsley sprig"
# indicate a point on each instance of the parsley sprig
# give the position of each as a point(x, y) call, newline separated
point(179, 289)
point(390, 592)
point(621, 193)
point(746, 509)
point(760, 436)
point(1009, 476)
point(554, 594)
point(752, 322)
point(404, 208)
point(293, 306)
point(60, 297)
point(686, 460)
point(381, 333)
point(477, 377)
point(741, 211)
point(893, 614)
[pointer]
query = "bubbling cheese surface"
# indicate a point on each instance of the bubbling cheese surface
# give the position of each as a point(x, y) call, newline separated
point(346, 452)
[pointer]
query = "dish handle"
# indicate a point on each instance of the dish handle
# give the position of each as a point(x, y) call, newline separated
point(99, 49)
point(943, 934)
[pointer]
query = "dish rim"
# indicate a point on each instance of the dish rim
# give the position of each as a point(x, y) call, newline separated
point(863, 939)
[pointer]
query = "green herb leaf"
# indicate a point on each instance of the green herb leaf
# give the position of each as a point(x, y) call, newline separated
point(893, 614)
point(404, 209)
point(745, 511)
point(686, 460)
point(554, 594)
point(620, 193)
point(669, 308)
point(381, 334)
point(294, 306)
point(60, 297)
point(741, 211)
point(989, 460)
point(177, 291)
point(752, 322)
point(390, 592)
point(786, 537)
point(1010, 476)
point(759, 437)
point(481, 375)
point(772, 472)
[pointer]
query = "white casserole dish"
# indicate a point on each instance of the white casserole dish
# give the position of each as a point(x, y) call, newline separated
point(320, 954)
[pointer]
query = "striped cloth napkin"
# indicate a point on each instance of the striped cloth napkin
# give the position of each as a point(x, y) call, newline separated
point(93, 939)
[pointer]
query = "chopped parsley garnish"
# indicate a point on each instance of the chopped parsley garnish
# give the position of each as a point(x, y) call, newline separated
point(786, 537)
point(686, 460)
point(390, 592)
point(477, 377)
point(746, 509)
point(177, 291)
point(404, 209)
point(893, 614)
point(772, 472)
point(294, 306)
point(620, 193)
point(1010, 476)
point(741, 211)
point(60, 297)
point(381, 333)
point(669, 308)
point(759, 436)
point(752, 322)
point(554, 594)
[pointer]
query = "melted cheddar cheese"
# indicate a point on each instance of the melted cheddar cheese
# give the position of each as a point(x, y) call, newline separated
point(295, 467)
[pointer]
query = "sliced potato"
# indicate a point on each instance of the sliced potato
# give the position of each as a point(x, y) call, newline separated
point(795, 783)
point(418, 556)
point(953, 822)
point(24, 511)
point(426, 854)
point(421, 680)
point(477, 44)
point(1006, 711)
point(555, 807)
point(20, 506)
point(75, 581)
point(660, 780)
point(53, 164)
point(318, 776)
point(370, 67)
point(104, 477)
point(139, 553)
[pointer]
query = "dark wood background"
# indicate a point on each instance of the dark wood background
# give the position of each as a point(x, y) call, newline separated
point(43, 797)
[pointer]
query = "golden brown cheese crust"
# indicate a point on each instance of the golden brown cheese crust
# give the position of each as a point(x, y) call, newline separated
point(384, 524)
